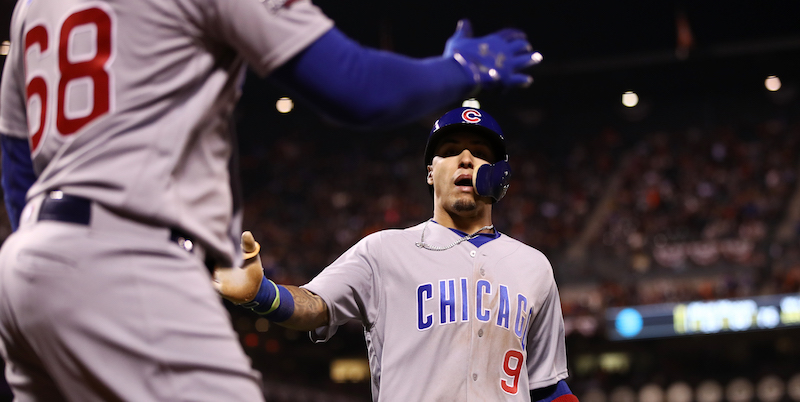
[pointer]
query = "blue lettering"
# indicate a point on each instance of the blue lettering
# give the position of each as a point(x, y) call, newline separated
point(525, 339)
point(464, 301)
point(519, 323)
point(502, 315)
point(447, 301)
point(427, 321)
point(480, 312)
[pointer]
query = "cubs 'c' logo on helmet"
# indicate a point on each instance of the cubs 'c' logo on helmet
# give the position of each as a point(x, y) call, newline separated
point(471, 116)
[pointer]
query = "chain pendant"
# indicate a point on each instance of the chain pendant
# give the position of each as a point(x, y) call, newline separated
point(421, 243)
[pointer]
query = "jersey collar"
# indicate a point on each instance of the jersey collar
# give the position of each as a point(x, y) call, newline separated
point(478, 241)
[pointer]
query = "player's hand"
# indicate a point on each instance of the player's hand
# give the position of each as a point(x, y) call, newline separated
point(240, 284)
point(494, 60)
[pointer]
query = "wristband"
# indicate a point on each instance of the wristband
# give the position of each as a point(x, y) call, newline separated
point(273, 301)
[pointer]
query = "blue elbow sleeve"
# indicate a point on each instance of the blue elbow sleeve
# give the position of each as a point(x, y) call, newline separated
point(558, 392)
point(17, 175)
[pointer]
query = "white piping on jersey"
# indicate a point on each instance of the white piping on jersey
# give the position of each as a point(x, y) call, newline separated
point(421, 243)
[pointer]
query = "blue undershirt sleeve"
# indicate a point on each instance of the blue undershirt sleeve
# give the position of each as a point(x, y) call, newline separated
point(364, 87)
point(17, 175)
point(558, 392)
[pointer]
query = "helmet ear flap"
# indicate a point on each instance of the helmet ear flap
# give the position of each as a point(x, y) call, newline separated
point(492, 180)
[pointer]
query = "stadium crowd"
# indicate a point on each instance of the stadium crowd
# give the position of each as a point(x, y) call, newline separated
point(666, 215)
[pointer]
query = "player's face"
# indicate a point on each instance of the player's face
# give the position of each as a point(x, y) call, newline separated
point(458, 156)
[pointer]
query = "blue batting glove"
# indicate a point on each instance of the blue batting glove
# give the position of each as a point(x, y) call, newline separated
point(494, 60)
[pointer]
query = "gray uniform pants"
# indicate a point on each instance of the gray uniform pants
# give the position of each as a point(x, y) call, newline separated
point(114, 311)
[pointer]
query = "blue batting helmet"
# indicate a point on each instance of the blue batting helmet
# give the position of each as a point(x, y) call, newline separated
point(470, 119)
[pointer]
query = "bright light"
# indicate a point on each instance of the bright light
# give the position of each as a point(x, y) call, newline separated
point(471, 102)
point(651, 393)
point(739, 390)
point(630, 99)
point(770, 389)
point(4, 48)
point(773, 83)
point(708, 391)
point(615, 362)
point(679, 392)
point(284, 105)
point(349, 370)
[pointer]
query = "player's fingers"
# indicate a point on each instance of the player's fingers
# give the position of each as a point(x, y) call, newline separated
point(463, 29)
point(519, 46)
point(519, 80)
point(525, 60)
point(250, 246)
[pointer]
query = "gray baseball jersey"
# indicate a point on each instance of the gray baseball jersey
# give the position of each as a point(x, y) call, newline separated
point(464, 324)
point(128, 102)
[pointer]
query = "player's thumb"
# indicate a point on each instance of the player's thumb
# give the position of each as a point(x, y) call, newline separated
point(250, 246)
point(463, 29)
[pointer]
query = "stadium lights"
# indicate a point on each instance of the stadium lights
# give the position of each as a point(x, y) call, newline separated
point(679, 392)
point(739, 390)
point(651, 393)
point(770, 389)
point(349, 370)
point(708, 391)
point(630, 99)
point(772, 83)
point(284, 105)
point(615, 362)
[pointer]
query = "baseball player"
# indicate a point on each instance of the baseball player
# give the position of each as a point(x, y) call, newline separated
point(114, 126)
point(453, 310)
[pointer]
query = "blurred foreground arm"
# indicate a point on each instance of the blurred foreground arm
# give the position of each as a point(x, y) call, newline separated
point(365, 87)
point(289, 306)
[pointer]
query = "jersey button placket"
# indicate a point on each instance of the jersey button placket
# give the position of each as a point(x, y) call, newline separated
point(477, 269)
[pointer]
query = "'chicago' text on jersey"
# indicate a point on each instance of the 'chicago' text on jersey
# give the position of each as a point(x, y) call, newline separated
point(449, 301)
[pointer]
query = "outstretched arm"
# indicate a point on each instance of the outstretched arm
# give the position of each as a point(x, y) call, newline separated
point(290, 306)
point(310, 311)
point(364, 87)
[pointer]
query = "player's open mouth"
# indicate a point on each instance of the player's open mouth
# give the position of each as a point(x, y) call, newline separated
point(464, 181)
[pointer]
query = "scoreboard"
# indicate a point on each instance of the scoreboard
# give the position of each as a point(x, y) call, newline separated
point(703, 317)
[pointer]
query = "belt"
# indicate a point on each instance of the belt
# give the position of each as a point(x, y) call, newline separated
point(57, 206)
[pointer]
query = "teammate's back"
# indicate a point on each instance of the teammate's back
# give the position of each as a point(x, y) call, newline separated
point(137, 98)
